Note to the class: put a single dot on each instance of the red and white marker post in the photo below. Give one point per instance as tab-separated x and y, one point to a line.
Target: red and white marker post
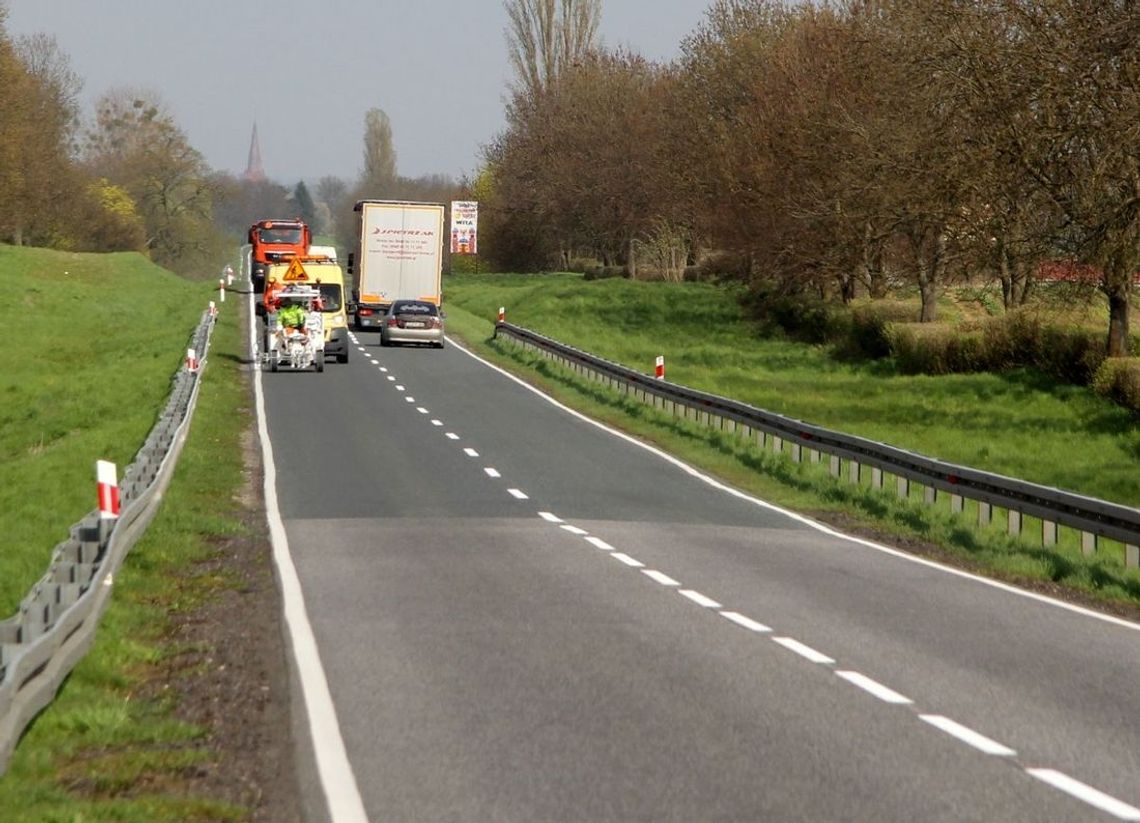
221	290
107	476
213	309
191	360
659	369
502	314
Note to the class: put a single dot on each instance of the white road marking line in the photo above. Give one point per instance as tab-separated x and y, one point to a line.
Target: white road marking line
518	494
629	561
421	410
435	422
393	379
968	735
598	543
452	436
550	518
875	688
384	369
410	399
492	472
700	599
799	518
470	452
334	770
574	529
400	388
1094	797
746	622
660	577
803	651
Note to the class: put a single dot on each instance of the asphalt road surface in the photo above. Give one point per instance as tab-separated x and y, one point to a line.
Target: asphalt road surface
522	616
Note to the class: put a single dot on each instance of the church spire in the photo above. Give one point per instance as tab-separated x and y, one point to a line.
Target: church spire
254	172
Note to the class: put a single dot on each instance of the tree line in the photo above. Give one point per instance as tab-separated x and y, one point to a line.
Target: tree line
128	178
831	148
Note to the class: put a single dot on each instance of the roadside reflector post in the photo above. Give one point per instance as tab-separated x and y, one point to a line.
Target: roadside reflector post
191	360
659	369
502	314
107	476
213	309
221	290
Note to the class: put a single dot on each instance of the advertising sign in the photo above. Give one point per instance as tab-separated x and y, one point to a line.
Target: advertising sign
464	226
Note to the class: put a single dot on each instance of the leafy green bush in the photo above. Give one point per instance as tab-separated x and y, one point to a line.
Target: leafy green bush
1118	379
927	348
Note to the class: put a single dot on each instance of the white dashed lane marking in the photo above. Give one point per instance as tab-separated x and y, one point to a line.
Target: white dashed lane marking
574	529
518	494
598	543
1094	797
660	577
625	558
492	472
746	622
470	452
875	688
550	518
967	735
806	652
700	599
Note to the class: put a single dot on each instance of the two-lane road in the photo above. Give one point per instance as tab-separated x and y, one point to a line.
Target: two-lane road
524	616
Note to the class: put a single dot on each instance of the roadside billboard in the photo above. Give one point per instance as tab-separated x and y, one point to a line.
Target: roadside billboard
464	226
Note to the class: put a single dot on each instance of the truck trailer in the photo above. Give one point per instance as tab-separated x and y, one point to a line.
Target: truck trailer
399	256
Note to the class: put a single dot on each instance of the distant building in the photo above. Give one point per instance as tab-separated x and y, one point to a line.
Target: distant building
254	171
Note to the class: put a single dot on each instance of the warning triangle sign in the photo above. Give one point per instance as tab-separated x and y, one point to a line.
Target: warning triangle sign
296	272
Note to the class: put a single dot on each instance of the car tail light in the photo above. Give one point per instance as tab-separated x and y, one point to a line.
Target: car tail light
433	323
393	322
364	312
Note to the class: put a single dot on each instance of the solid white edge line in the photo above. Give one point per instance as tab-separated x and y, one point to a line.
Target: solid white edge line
875	688
803	651
629	561
660	577
699	599
716	484
1094	797
968	736
550	518
598	543
338	781
518	494
746	622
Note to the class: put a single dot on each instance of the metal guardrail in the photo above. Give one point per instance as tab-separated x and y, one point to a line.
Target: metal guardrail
55	625
1091	517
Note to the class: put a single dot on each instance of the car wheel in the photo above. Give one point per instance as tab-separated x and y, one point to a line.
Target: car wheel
438	345
273	362
321	362
342	358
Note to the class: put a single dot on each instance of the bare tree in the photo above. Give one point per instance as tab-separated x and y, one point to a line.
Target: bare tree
547	36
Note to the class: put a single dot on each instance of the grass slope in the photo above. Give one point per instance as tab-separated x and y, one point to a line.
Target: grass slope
93	342
1021	425
113	745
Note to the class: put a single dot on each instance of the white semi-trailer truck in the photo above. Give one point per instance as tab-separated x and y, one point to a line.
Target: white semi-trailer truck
399	256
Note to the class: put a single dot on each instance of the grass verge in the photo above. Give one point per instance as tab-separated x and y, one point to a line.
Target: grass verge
117	744
1018	425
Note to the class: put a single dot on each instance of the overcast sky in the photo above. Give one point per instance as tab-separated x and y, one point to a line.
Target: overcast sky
307	70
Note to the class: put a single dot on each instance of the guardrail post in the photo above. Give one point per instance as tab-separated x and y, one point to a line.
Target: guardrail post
903	487
777	445
797	453
1048	533
813	455
834	467
930	495
956	503
853	472
1088	544
1131	555
985	513
1013	521
876	477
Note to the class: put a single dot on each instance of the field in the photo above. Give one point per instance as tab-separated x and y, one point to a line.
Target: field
1022	424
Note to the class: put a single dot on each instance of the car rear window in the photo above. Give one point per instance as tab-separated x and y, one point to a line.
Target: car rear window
414	308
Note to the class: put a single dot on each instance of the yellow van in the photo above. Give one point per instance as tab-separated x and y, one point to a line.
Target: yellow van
326	275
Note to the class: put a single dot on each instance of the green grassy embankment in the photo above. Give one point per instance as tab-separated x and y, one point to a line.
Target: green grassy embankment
1022	424
112	330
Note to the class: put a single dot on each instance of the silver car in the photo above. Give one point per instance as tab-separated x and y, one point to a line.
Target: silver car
412	321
